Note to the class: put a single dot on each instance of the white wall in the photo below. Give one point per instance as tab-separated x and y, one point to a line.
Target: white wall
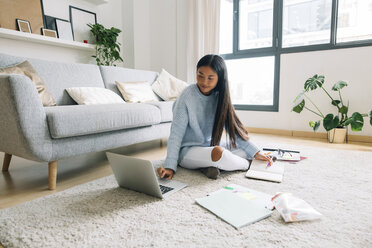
351	65
154	34
141	34
127	46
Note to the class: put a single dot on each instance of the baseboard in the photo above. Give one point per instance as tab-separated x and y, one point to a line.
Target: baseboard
306	134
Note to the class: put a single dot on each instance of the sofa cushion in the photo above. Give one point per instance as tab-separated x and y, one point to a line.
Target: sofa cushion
166	109
136	91
93	95
110	74
57	76
76	120
167	86
25	68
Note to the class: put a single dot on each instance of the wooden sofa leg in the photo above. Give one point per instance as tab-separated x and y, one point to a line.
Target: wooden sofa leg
6	162
52	169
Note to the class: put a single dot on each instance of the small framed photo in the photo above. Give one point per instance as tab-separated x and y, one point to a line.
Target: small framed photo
23	25
49	32
64	30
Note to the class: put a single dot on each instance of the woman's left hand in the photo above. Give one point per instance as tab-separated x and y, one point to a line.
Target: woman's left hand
260	156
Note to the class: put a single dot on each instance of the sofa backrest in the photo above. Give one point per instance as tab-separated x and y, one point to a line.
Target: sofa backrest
58	76
110	74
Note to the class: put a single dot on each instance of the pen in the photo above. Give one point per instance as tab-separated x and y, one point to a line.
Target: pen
268	165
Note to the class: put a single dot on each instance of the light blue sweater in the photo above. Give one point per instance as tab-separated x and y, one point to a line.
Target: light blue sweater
193	118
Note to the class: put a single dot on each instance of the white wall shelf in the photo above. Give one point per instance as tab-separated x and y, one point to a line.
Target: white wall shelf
35	38
97	2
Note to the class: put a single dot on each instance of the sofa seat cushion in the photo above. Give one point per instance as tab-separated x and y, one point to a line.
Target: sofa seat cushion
77	120
166	109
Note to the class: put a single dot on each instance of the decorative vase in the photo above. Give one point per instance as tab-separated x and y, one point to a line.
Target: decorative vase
337	135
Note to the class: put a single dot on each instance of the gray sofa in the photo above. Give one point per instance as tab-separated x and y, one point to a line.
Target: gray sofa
34	132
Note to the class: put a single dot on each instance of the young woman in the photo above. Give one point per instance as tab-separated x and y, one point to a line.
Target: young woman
200	115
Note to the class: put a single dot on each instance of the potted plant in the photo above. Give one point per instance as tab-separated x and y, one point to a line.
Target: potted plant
107	47
335	125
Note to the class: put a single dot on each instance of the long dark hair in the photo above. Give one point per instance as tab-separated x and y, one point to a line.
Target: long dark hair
225	116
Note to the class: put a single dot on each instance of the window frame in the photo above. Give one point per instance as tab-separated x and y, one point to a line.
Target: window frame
277	50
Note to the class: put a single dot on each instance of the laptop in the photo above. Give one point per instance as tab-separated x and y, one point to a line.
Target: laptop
139	175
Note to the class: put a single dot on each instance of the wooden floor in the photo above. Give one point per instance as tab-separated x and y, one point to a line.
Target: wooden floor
26	180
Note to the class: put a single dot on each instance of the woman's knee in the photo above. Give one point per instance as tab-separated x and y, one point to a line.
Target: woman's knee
216	153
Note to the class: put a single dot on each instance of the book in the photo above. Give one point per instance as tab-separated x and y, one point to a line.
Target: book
259	170
237	205
282	154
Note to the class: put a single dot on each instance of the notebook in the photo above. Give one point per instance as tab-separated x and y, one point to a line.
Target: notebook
237	205
259	170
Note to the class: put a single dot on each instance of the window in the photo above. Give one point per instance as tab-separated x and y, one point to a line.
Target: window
251	80
254	33
255	24
354	20
306	22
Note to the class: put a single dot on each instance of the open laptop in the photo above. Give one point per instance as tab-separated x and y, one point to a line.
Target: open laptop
139	175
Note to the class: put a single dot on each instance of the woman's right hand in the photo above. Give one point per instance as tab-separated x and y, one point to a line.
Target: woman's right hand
165	173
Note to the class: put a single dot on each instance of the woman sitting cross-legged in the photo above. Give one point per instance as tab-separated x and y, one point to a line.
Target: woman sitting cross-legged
200	115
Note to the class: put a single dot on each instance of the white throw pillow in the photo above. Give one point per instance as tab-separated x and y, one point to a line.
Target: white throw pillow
93	95
136	91
167	86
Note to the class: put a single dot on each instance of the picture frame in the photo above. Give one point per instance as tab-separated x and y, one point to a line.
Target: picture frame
50	22
49	32
79	19
30	10
64	30
23	26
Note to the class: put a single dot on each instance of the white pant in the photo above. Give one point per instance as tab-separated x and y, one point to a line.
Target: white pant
201	157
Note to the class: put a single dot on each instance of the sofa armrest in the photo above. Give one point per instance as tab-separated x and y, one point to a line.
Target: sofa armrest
23	125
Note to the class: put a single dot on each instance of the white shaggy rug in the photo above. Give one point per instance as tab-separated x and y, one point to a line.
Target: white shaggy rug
337	183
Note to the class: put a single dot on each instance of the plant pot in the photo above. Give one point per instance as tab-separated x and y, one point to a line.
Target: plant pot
337	135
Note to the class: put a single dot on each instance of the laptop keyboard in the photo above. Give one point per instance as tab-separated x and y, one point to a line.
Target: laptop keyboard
165	189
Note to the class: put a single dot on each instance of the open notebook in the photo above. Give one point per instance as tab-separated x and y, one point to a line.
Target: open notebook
259	170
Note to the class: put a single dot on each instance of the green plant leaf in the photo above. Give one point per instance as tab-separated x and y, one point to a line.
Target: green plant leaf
314	125
329	122
339	85
299	107
370	117
343	110
108	49
299	96
356	121
313	82
336	102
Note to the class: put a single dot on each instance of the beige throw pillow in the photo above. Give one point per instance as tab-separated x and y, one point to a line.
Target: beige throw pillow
136	91
25	68
93	95
167	86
